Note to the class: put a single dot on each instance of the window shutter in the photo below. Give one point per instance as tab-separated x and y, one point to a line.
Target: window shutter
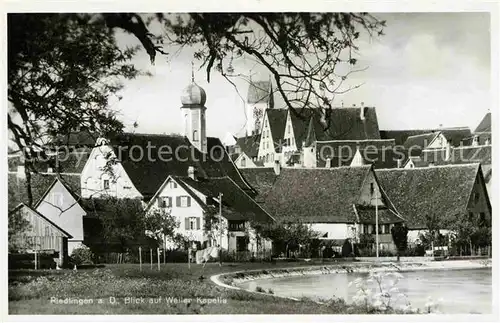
197	223
186	220
169	201
189	201
178	201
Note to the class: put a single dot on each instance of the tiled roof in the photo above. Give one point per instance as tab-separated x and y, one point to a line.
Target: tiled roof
261	179
147	174
484	125
237	205
39	184
63	162
22	205
420	141
316	195
380	153
259	91
300	122
367	215
249	145
458	155
472	154
345	124
443	191
82	138
455	135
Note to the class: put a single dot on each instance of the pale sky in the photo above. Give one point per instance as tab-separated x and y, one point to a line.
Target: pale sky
429	69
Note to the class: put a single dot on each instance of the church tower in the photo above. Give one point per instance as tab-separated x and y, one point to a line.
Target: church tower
193	109
259	99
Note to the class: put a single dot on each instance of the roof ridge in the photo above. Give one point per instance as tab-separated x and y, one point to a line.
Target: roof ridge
423	134
424	168
43	216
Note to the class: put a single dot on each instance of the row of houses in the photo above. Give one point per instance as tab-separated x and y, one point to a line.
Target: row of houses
192	175
349	136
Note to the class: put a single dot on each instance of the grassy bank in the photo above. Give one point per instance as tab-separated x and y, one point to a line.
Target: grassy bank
34	292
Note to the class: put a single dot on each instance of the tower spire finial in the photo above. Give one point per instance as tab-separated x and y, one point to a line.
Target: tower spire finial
192	71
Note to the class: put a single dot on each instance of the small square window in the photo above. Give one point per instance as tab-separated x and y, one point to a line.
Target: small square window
183	201
165	201
106	184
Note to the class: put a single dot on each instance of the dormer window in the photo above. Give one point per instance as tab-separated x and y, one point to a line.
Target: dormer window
106	184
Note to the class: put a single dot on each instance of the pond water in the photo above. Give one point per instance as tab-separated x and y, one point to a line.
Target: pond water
461	291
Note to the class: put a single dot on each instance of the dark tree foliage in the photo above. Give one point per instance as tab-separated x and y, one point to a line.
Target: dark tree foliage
286	236
309	55
399	234
18	225
62	72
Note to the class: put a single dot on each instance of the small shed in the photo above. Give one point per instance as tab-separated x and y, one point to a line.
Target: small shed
42	235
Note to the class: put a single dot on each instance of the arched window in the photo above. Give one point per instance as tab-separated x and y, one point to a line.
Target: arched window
267	158
195	135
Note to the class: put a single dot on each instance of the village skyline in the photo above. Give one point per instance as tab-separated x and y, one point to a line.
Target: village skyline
427	70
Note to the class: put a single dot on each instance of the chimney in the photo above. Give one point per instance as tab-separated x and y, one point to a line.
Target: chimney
400	161
191	172
277	167
328	163
362	111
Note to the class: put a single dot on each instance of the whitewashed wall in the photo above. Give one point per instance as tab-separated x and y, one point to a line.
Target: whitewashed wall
60	207
93	177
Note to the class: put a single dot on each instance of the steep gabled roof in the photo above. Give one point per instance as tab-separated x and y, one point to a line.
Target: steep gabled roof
261	179
472	154
378	152
277	123
316	195
400	136
82	138
484	125
237	205
459	155
147	174
249	145
455	135
421	141
259	92
443	191
300	119
22	205
62	162
40	183
59	179
345	124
